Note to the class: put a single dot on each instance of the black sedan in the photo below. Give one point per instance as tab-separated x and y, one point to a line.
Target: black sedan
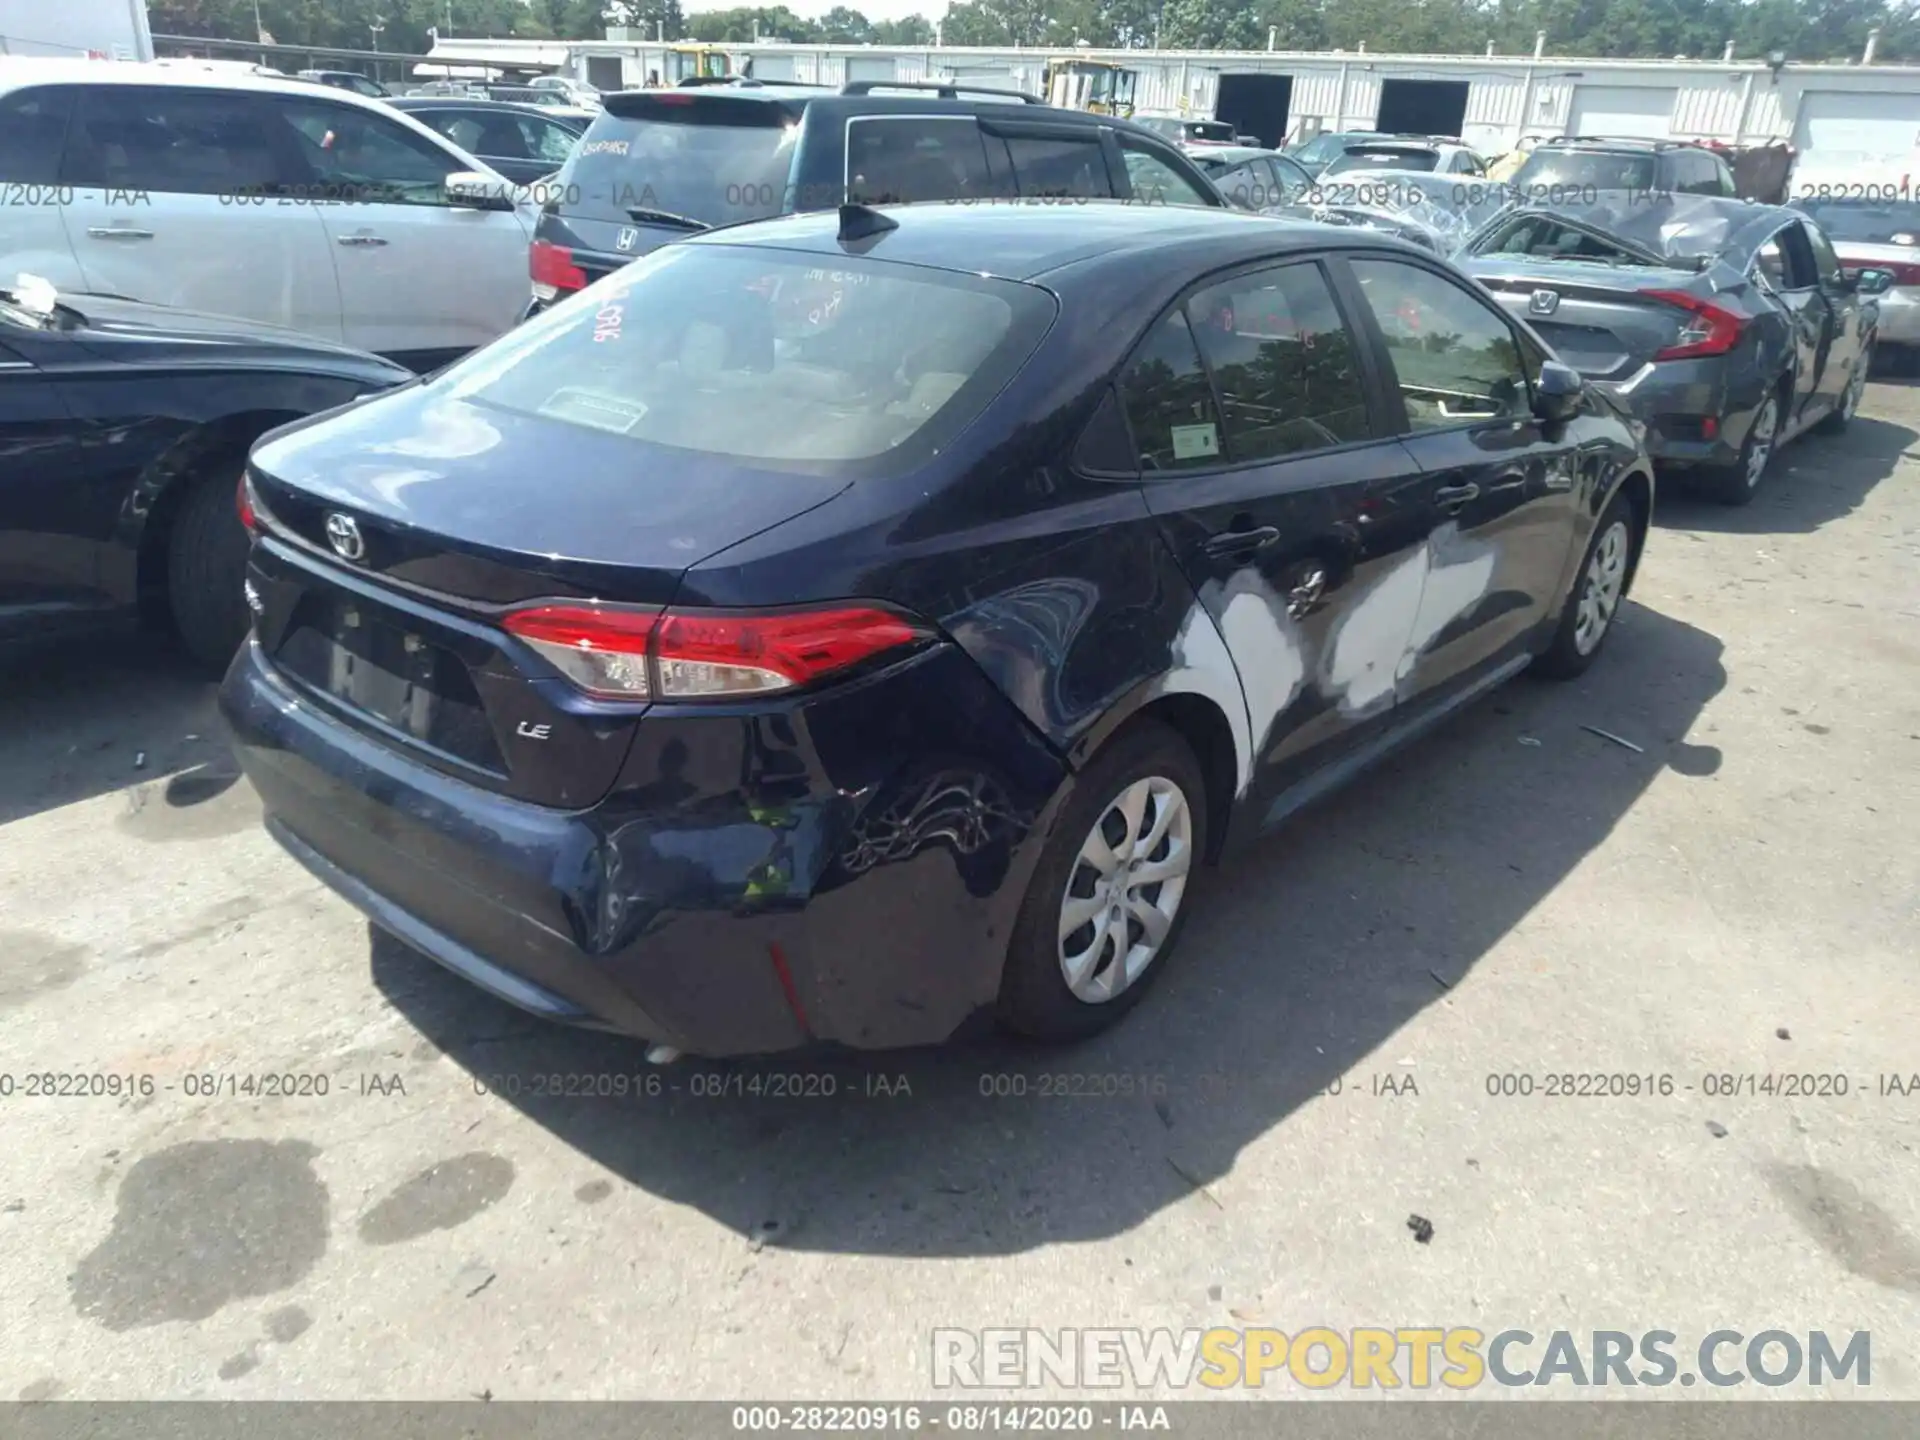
525	143
823	629
123	433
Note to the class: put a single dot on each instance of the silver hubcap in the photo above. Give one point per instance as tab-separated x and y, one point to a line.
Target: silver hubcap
1600	593
1125	889
1760	450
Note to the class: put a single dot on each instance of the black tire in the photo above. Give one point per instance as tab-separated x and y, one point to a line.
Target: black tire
207	571
1563	659
1738	483
1035	1000
1836	421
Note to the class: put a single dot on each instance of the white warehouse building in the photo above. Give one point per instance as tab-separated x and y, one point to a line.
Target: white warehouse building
1858	114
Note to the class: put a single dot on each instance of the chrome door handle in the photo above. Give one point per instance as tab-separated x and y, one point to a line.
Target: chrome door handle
1240	542
1452	497
118	232
360	240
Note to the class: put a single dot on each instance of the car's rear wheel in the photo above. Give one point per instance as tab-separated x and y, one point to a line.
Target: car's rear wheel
1837	421
207	572
1738	483
1599	584
1107	901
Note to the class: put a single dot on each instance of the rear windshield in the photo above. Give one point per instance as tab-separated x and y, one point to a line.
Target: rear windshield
1867	222
714	160
1209	130
1364	157
795	361
1586	170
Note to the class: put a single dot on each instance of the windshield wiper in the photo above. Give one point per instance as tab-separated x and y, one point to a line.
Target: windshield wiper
665	217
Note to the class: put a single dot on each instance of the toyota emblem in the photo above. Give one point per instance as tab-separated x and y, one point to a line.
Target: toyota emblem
1544	302
343	533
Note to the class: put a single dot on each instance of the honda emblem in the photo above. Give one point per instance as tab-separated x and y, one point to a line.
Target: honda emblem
1544	302
626	239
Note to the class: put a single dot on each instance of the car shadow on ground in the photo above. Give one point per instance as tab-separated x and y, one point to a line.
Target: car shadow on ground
1814	481
92	716
1300	960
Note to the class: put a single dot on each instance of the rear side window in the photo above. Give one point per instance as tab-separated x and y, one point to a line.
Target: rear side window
33	130
544	140
713	159
169	140
909	158
1284	362
1169	402
781	360
1057	166
1156	181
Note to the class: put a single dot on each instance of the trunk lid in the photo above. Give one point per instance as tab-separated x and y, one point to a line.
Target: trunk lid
1597	318
490	506
397	531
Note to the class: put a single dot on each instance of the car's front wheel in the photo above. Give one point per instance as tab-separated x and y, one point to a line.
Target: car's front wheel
1107	900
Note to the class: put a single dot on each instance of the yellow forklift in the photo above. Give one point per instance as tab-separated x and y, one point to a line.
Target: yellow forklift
1100	86
696	60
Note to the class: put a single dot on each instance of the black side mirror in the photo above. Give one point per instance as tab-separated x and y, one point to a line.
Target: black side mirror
1873	282
1556	399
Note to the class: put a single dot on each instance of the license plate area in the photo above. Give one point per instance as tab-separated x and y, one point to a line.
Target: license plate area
368	662
383	671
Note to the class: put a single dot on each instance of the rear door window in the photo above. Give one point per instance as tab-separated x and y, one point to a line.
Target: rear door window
906	158
1058	166
33	132
715	159
1284	362
170	140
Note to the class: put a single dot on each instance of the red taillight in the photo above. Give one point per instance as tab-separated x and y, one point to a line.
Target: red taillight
1709	330
243	501
617	654
553	270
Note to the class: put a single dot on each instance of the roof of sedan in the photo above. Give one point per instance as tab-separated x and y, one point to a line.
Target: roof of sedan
1024	240
1232	154
18	71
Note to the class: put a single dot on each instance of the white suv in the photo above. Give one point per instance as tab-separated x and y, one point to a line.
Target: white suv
271	200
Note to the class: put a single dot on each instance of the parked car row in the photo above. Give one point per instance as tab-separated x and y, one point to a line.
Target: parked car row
828	616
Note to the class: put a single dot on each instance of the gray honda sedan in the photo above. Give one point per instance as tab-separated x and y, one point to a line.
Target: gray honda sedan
1727	328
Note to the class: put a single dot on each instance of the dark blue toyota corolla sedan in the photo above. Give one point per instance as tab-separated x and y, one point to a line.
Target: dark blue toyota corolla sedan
825	629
